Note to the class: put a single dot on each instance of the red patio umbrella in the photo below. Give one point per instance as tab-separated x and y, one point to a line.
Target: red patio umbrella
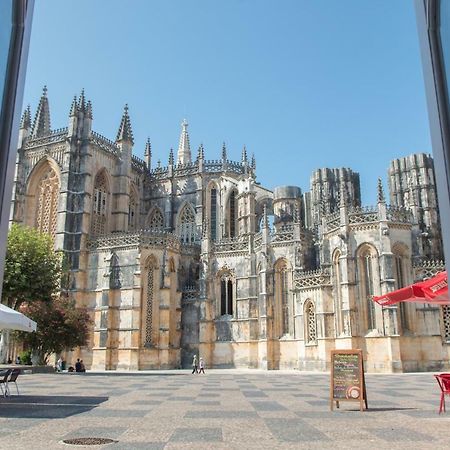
434	290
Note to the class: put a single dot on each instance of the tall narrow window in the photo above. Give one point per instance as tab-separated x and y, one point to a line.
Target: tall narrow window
232	215
187	227
338	292
368	286
213	214
310	323
149	298
156	221
226	296
284	301
282	305
368	276
399	283
133	211
100	205
47	202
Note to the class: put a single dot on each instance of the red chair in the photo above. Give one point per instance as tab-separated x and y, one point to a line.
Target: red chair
444	383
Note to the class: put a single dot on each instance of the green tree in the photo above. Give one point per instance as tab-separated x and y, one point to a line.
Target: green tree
32	268
60	326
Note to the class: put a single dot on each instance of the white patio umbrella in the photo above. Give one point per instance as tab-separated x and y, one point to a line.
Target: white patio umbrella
11	319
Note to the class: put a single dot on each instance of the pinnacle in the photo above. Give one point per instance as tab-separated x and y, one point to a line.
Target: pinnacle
171	157
224	152
380	191
41	124
73	107
184	148
26	118
244	154
125	132
148	148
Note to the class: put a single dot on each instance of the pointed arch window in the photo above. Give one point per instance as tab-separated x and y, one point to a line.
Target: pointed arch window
368	270
226	295
187	226
151	269
133	211
213	213
232	215
156	221
100	205
282	297
47	202
310	323
338	291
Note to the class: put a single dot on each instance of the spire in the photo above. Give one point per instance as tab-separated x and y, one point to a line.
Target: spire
125	132
26	118
184	149
380	191
224	152
244	155
148	153
41	124
73	107
171	157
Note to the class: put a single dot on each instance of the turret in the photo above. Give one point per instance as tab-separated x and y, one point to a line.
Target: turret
25	125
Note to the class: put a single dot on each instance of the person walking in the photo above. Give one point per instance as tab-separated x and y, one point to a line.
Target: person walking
201	366
195	365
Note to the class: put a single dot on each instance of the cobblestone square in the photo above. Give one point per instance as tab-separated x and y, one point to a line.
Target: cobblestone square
227	409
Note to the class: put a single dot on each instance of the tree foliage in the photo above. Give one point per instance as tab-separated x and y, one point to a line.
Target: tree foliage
60	326
32	267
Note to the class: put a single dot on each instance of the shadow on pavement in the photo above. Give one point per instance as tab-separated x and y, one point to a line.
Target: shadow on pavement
47	406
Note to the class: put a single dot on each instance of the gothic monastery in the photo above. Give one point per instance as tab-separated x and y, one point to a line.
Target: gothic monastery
197	257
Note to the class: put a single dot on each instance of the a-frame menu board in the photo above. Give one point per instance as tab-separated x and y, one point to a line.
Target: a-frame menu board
347	378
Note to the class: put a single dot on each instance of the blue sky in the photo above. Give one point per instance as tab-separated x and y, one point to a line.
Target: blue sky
303	84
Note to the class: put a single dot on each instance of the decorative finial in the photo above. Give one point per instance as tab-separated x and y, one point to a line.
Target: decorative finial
184	149
171	157
82	101
253	163
380	191
148	148
44	91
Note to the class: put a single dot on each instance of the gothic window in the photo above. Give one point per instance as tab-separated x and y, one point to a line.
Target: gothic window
446	322
400	281
282	297
226	295
310	323
368	271
232	215
156	221
338	292
187	227
213	213
133	210
149	300
100	205
114	273
47	202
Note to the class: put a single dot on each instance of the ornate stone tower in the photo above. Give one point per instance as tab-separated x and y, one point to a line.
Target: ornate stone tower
327	186
412	186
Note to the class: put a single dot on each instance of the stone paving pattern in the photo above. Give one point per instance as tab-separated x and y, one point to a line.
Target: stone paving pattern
224	409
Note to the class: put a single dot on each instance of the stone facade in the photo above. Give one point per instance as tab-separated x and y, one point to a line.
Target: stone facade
197	257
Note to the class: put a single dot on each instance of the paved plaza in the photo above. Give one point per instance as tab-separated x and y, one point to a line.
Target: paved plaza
226	409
